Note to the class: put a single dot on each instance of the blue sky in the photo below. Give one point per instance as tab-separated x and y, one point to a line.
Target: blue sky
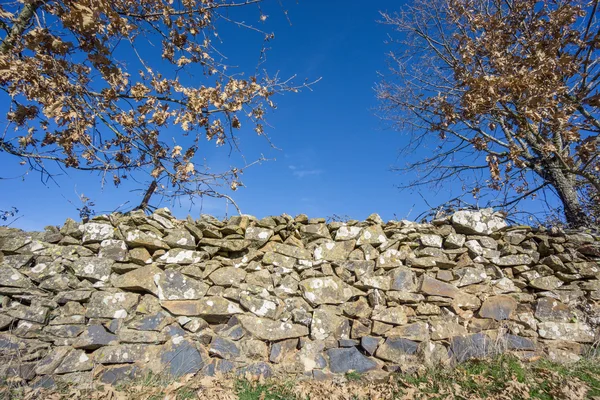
335	154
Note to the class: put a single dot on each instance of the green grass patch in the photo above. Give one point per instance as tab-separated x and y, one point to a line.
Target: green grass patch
264	391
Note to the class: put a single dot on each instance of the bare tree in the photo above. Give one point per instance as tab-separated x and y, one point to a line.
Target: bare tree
95	85
505	92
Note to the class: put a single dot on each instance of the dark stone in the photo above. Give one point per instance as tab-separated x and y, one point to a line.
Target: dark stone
224	348
514	342
150	323
280	349
182	358
349	359
121	373
477	345
218	366
174	330
256	370
348	343
94	337
369	344
44	382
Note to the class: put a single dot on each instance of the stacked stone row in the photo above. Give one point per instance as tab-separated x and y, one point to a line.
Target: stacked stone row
122	296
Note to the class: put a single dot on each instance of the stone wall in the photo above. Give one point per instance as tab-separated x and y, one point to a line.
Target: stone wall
126	295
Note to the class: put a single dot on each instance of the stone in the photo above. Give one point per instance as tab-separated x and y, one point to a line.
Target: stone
12	278
482	222
397	350
445	328
120	374
373	235
392	315
514	342
418	331
369	344
433	287
92	268
267	329
52	360
262	307
279	260
314	232
33	313
326	290
96	232
228	276
111	305
360	268
347	233
513	260
230	245
173	285
179	238
210	308
467	347
282	349
429	240
259	370
326	324
576	332
548	309
149	240
349	360
183	256
334	251
126	353
75	361
546	283
141	279
498	307
140	256
94	337
17	261
115	250
224	348
454	241
470	276
375	282
257	234
180	357
403	279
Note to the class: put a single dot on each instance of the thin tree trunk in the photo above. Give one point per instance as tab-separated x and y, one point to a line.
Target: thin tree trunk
574	213
19	26
146	200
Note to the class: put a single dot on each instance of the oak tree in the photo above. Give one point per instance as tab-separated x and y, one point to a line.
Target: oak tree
505	93
129	89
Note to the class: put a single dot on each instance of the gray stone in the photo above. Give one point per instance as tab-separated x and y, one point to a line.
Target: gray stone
12	278
75	361
349	359
183	256
93	268
576	332
482	222
281	349
266	329
96	233
467	347
396	350
173	285
434	287
111	305
211	308
326	290
369	344
260	370
149	240
228	276
140	279
498	307
119	374
94	337
115	250
334	251
224	348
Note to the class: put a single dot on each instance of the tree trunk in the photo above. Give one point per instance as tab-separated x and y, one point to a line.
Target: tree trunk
567	193
149	192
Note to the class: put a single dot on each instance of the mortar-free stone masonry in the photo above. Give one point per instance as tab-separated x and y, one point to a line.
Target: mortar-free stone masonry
122	296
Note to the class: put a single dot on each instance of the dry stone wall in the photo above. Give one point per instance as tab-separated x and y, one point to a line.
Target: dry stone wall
122	296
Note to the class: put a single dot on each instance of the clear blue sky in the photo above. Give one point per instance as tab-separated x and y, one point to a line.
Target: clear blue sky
335	155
